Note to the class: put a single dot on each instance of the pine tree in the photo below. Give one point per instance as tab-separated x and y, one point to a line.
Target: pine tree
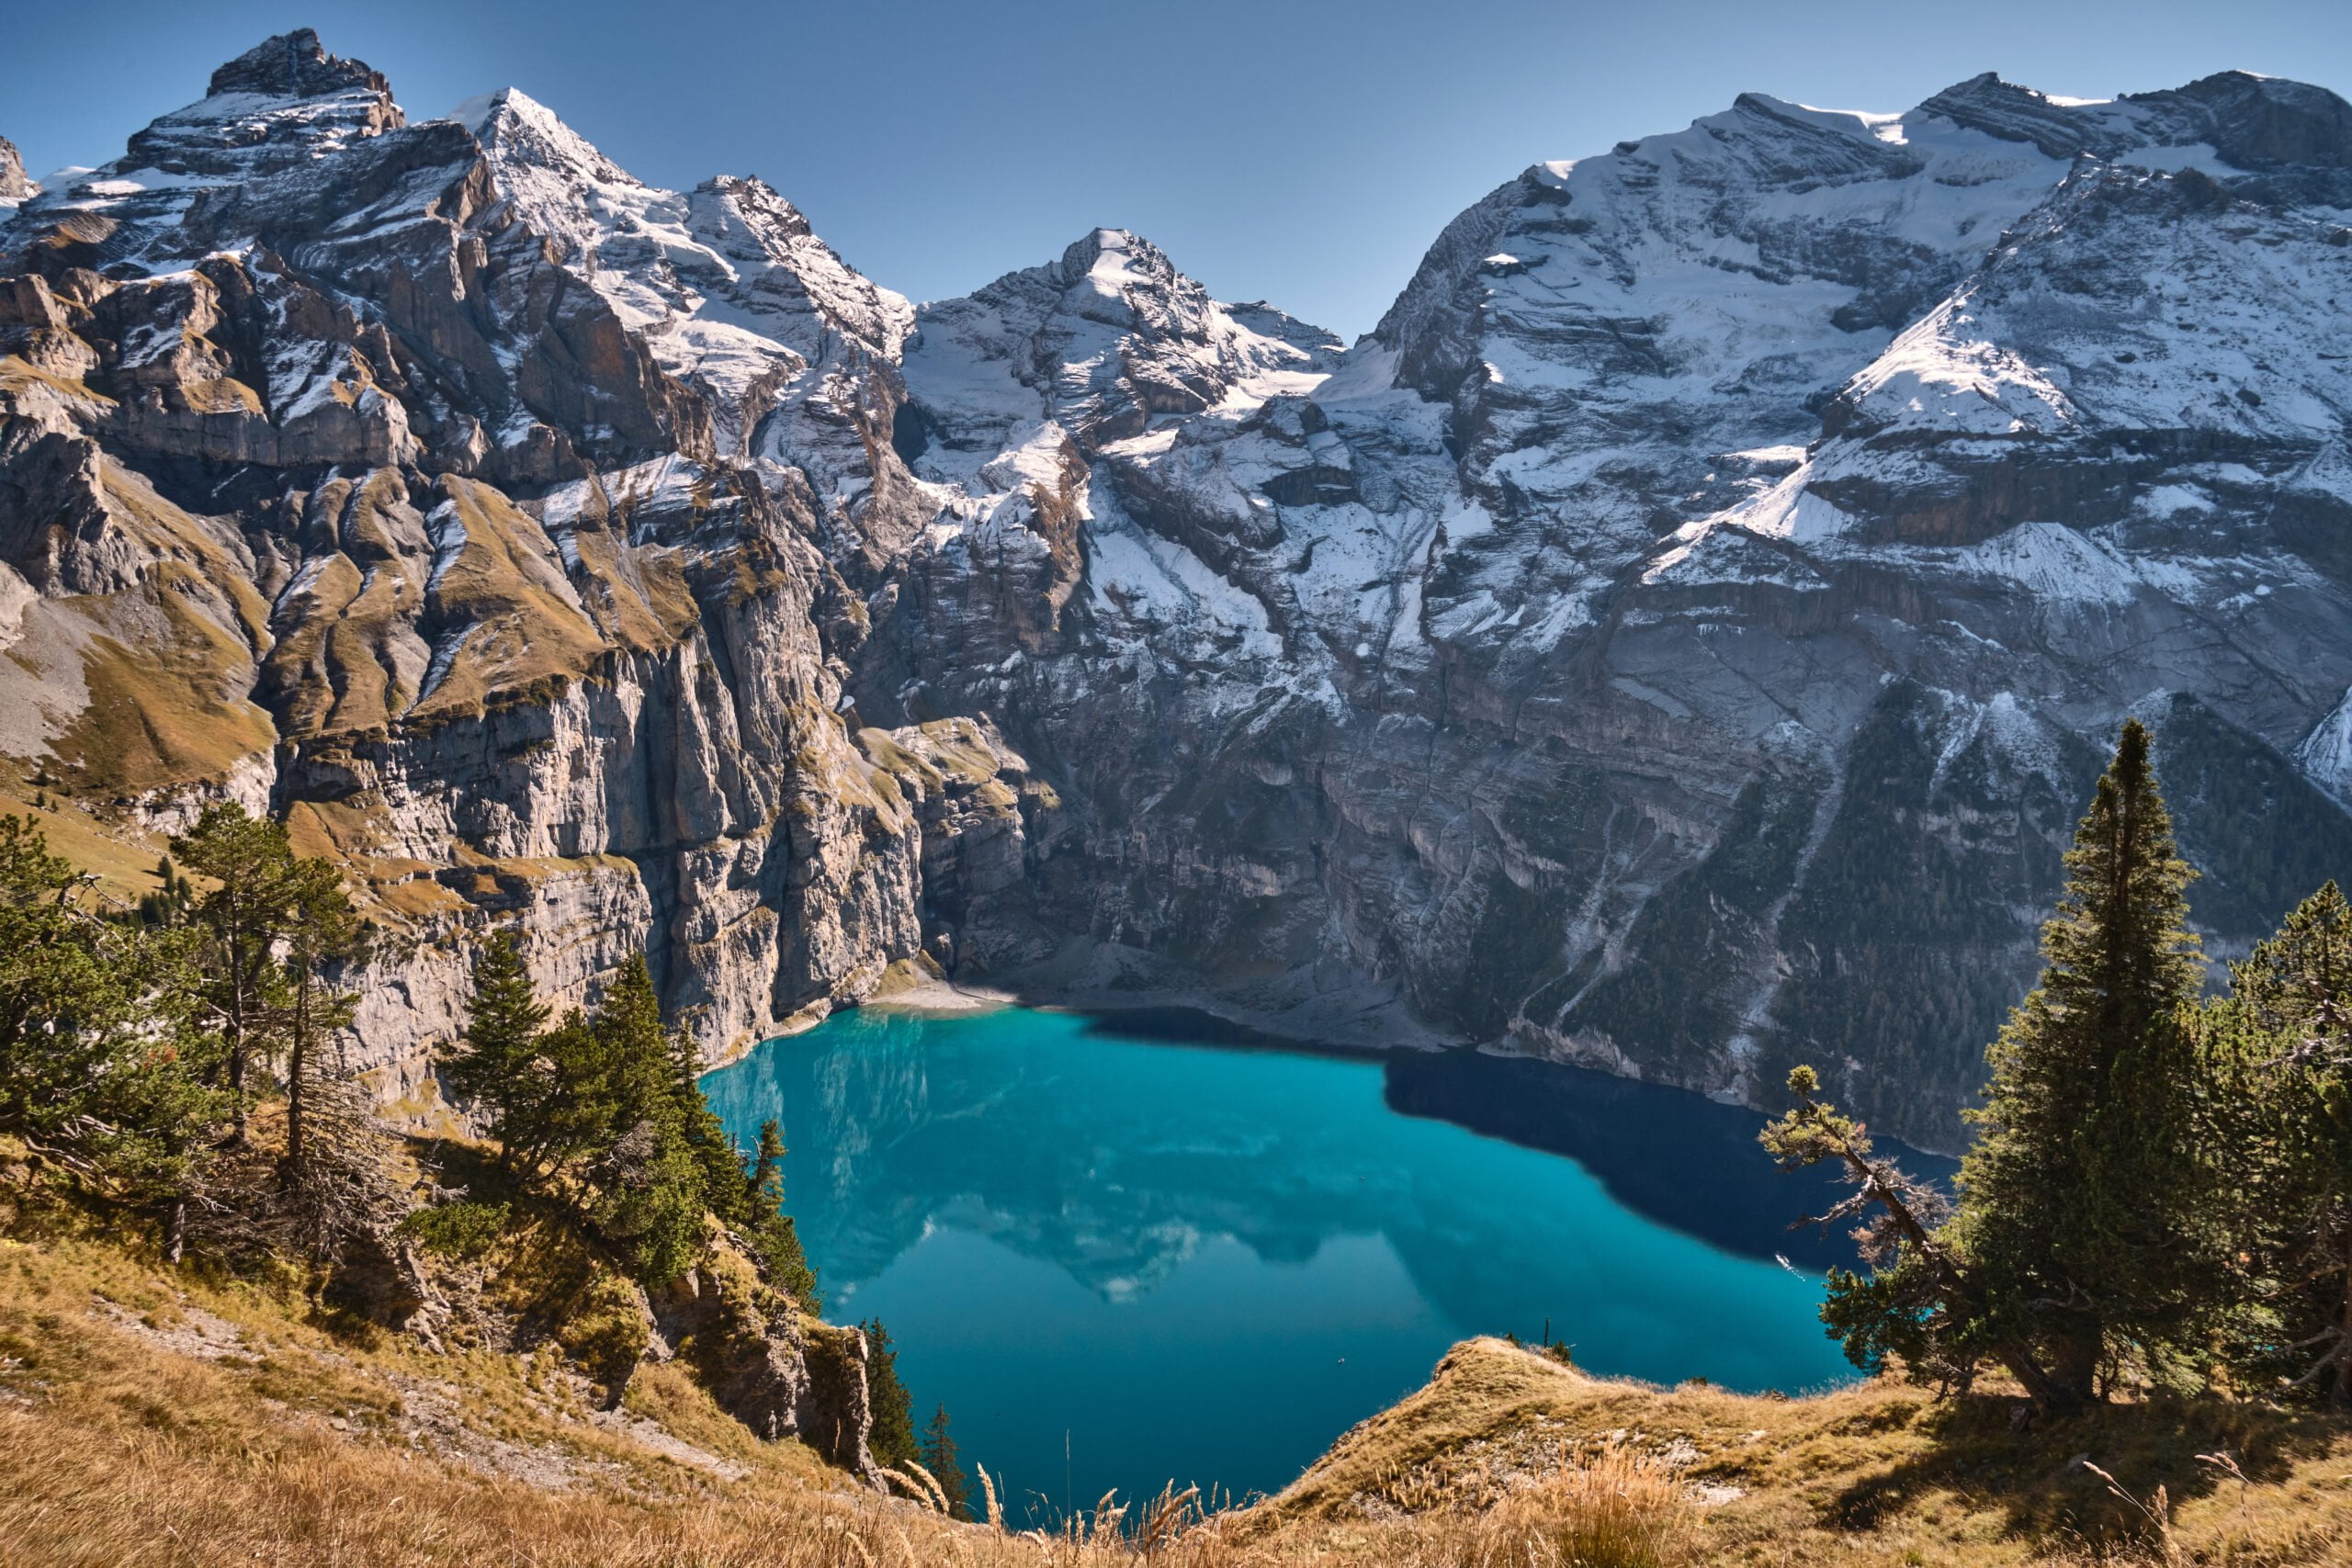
239	988
730	1195
2283	1047
939	1458
2085	1217
168	905
323	933
496	1065
772	1233
109	1092
767	1166
647	1179
892	1435
1918	1303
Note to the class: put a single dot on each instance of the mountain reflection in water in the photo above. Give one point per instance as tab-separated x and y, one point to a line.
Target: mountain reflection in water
1204	1260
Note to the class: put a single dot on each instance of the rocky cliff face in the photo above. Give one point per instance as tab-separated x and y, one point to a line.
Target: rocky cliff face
382	475
1676	639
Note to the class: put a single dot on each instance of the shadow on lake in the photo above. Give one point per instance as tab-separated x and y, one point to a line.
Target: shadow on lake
1680	1158
1677	1158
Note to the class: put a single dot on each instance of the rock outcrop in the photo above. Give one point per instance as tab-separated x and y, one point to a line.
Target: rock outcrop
780	1372
14	184
1676	639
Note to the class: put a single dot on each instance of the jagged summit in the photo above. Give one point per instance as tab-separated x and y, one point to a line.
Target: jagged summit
734	292
523	131
1094	346
2256	121
255	142
14	184
2250	123
294	65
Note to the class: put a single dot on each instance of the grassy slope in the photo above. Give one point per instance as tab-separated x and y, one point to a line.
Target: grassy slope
1876	1474
145	1420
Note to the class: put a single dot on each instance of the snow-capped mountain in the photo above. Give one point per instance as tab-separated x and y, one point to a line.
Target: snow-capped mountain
1678	638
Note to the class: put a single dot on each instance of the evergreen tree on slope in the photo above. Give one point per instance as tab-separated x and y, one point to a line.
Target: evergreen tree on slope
495	1065
2085	1217
939	1458
772	1233
891	1437
113	1097
2282	1045
647	1178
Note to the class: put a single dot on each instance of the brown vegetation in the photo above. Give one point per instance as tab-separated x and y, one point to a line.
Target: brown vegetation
148	1418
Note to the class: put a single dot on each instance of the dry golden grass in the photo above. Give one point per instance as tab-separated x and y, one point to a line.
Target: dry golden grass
1872	1475
166	705
147	1420
117	852
1618	1509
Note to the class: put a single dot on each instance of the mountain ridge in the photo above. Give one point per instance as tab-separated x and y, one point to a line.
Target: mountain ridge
1677	629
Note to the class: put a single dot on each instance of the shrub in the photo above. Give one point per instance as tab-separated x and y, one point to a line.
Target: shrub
465	1231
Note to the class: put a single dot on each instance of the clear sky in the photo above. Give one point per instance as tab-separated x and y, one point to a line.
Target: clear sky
1304	152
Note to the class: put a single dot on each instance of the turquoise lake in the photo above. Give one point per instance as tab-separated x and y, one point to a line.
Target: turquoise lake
1195	1262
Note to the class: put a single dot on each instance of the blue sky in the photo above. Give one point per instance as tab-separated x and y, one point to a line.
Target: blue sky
1298	150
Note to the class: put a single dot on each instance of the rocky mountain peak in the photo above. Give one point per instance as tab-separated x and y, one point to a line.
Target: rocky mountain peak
2250	122
2012	113
2254	123
14	184
1109	271
733	291
279	106
759	204
1096	346
517	130
294	65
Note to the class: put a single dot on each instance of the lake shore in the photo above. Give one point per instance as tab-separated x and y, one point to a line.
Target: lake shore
941	999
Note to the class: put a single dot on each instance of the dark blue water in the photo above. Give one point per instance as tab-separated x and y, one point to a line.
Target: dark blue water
1203	1264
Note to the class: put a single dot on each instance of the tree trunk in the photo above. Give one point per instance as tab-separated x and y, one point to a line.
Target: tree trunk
295	1056
236	1029
2040	1387
2342	1393
176	1231
2074	1363
237	1095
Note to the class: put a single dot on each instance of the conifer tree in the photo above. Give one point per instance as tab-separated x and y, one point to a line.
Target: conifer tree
2084	1216
555	1124
767	1164
322	932
773	1233
238	988
2283	1045
647	1179
1918	1302
269	932
111	1095
496	1064
892	1435
730	1195
939	1458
